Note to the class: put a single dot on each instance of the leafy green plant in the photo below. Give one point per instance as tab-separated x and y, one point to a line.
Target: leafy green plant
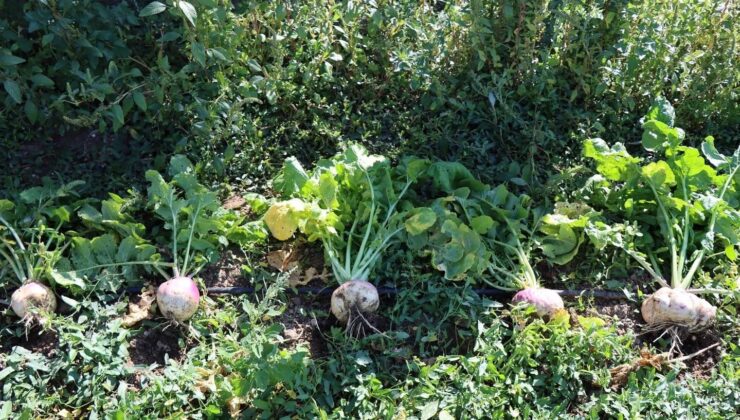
350	203
31	248
473	228
683	200
564	231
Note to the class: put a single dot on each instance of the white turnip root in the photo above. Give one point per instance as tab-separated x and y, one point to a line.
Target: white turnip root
354	297
178	298
31	297
545	301
677	307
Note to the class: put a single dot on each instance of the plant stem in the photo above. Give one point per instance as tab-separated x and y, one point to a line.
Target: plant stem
675	276
686	227
348	250
646	266
686	282
703	291
171	199
190	239
16	269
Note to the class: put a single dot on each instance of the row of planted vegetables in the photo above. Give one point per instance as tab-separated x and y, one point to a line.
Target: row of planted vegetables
675	214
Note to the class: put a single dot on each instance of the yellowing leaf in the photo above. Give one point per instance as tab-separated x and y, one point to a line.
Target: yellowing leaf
590	322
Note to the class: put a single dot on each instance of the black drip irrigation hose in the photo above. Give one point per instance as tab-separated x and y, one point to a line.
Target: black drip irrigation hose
489	292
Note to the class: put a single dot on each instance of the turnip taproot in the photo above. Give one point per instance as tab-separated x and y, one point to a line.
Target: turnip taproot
31	299
693	209
178	298
354	297
545	301
678	307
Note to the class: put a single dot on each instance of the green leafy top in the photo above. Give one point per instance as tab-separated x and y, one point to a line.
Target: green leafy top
189	222
31	236
350	204
677	195
470	228
563	230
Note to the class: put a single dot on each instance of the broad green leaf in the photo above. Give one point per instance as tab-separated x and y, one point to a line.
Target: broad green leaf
714	157
421	220
256	202
562	247
69	301
199	53
152	8
731	252
180	164
663	111
481	224
59	214
328	190
659	174
429	410
32	113
657	136
189	11
67	279
10	60
7	408
140	100
591	322
452	252
291	178
39	80
613	163
117	113
449	177
6	206
13	89
104	248
416	167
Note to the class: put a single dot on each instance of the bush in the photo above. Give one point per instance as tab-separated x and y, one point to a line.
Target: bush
242	85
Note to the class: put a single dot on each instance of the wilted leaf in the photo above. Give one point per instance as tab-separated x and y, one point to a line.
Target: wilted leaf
140	310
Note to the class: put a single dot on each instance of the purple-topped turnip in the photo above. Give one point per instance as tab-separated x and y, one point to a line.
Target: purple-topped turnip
545	301
178	298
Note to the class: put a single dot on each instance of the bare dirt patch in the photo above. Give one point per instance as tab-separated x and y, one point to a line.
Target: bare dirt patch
152	345
304	320
41	341
227	271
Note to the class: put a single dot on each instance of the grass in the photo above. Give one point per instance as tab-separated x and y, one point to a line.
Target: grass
445	351
508	88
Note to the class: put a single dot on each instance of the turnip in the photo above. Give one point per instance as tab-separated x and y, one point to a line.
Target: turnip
33	299
513	270
669	306
353	189
197	224
178	298
354	298
685	199
545	301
